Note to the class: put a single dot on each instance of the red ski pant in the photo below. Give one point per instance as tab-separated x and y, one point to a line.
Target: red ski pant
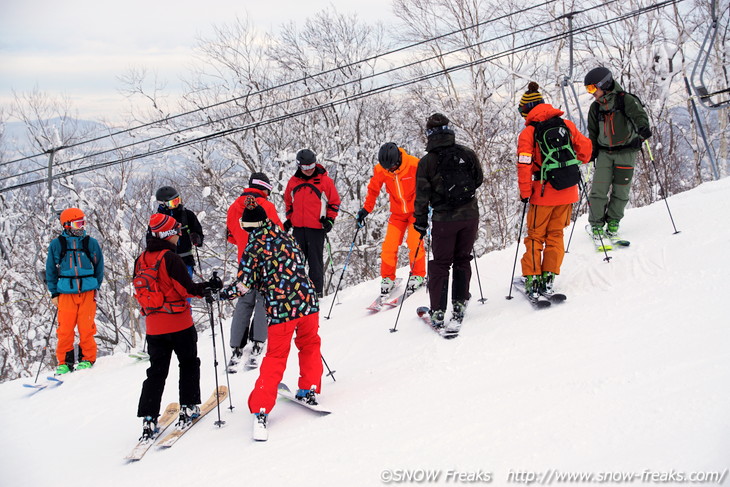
273	365
73	310
397	227
545	226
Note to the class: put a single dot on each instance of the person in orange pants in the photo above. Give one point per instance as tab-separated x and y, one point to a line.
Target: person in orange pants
550	208
74	272
397	170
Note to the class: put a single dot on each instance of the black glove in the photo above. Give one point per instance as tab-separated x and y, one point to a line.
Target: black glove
215	282
196	239
208	294
287	225
326	224
644	132
361	216
421	228
594	153
525	200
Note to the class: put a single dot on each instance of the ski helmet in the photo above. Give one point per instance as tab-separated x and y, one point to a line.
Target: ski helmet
71	214
168	196
306	159
599	77
389	156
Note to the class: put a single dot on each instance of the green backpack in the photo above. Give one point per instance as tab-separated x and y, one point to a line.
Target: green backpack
560	165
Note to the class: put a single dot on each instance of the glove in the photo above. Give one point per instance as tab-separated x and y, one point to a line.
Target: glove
361	215
196	239
594	153
644	132
215	282
287	225
525	200
327	224
208	294
421	228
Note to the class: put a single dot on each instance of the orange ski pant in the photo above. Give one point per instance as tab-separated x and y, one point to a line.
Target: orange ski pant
544	246
76	310
277	352
397	227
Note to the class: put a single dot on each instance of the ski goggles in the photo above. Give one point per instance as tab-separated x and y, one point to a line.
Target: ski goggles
176	230
591	88
173	203
76	224
307	167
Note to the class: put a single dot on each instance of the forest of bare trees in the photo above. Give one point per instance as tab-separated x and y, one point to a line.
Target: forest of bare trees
342	88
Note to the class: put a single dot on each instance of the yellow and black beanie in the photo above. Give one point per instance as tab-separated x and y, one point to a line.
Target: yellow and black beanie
530	99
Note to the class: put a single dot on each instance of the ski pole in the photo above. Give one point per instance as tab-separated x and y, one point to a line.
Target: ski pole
575	220
330	372
479	279
600	237
347	261
225	360
331	260
519	236
410	273
45	347
661	187
220	422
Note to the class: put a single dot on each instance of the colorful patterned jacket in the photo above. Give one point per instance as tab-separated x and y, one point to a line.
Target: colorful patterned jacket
273	265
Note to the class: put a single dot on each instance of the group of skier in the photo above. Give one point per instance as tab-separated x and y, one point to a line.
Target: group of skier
273	285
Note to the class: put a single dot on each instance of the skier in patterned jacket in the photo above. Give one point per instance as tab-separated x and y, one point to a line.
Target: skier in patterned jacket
312	204
273	265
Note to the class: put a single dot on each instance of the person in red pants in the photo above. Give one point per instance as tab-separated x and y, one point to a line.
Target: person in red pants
396	169
273	265
74	272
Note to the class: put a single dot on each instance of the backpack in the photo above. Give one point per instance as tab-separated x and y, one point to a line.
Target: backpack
457	174
84	248
147	290
560	166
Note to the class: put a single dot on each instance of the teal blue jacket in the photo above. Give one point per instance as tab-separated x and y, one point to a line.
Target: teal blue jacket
75	272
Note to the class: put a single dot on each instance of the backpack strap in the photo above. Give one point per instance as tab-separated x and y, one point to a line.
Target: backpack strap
84	248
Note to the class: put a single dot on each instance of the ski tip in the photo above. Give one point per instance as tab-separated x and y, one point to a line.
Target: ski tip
422	310
283	387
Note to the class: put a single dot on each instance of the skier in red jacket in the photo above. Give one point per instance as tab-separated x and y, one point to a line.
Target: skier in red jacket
312	204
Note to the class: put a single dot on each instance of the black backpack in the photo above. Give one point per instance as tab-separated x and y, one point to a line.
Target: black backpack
560	166
458	176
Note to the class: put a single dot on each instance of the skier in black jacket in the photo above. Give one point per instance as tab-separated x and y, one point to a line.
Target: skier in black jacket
170	203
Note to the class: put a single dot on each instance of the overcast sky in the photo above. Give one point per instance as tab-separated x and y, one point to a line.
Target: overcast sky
78	48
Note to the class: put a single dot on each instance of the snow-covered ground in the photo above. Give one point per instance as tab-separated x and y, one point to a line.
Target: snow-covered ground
630	376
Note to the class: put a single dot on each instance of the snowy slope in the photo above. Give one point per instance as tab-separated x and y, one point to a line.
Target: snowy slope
629	375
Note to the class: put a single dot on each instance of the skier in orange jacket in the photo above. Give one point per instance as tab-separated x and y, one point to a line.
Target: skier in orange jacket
397	170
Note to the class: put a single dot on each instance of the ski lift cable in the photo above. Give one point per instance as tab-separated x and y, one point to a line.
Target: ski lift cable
371	92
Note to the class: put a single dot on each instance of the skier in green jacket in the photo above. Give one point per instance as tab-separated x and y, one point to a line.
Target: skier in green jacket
617	126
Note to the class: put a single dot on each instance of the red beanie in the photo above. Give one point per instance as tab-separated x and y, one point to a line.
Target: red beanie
163	226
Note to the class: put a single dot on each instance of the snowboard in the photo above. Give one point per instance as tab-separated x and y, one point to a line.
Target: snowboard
216	398
285	392
540	303
165	420
382	299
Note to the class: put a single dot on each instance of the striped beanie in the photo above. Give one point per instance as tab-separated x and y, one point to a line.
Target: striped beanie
530	99
163	226
260	181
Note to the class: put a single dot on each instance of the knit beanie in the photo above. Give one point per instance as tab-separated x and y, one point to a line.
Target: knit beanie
163	226
260	181
438	123
530	99
253	215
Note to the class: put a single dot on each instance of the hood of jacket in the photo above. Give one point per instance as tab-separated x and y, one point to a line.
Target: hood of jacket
542	112
440	140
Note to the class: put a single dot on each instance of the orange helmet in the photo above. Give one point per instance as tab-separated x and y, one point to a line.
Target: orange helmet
71	214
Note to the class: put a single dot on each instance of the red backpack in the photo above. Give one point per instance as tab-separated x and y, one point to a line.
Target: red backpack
147	290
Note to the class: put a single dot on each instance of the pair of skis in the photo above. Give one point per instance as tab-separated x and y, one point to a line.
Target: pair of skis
251	362
168	417
449	330
392	299
606	241
50	381
544	300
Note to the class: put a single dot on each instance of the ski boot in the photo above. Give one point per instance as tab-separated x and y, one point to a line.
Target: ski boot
260	433
437	317
149	428
84	364
533	285
187	415
308	396
612	228
414	282
386	286
257	348
62	369
458	308
548	283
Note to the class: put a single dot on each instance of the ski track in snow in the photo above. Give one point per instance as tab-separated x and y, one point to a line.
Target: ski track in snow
629	374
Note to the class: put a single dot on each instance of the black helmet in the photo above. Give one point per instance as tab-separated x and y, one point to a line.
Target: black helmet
601	77
389	156
306	157
166	193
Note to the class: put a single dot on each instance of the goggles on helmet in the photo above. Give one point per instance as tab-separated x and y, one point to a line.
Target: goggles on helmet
177	230
591	88
307	167
173	203
76	224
